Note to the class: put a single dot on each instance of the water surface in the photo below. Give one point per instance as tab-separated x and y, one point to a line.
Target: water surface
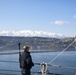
67	58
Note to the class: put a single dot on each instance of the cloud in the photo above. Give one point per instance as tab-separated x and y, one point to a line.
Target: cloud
59	22
74	16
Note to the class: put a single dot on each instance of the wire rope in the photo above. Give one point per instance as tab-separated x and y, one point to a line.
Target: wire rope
10	53
9	61
7	74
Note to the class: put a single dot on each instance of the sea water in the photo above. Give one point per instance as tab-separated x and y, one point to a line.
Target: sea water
67	59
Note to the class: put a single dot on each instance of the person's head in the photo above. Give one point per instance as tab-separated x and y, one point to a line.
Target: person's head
26	48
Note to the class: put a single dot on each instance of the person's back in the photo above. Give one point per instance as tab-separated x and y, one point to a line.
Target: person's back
26	61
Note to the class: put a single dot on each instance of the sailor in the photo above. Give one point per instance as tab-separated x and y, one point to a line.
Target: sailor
26	61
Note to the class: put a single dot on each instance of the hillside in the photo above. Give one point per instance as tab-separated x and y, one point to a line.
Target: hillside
36	43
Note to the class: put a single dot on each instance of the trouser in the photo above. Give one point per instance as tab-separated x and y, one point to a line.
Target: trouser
26	72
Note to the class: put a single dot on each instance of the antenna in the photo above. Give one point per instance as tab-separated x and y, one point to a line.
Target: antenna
19	46
19	49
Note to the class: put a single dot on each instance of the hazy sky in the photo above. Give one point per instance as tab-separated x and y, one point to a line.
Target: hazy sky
57	16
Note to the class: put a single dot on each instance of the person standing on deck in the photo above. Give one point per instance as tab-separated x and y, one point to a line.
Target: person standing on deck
25	61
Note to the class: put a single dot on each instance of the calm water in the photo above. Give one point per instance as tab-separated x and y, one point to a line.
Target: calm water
65	59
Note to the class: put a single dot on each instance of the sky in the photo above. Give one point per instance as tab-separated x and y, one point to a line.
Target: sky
57	16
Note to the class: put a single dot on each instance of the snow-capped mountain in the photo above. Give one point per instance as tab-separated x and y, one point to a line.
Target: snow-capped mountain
30	33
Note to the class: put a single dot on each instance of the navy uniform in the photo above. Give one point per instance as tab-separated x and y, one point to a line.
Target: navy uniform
26	61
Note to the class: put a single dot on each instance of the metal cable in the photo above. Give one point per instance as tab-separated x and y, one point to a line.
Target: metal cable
7	74
15	71
9	70
9	61
10	53
40	64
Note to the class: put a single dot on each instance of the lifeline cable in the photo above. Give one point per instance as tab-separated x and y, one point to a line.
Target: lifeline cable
10	53
9	61
10	70
40	64
7	74
15	71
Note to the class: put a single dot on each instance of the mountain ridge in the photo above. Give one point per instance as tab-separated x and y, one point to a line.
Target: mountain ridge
30	33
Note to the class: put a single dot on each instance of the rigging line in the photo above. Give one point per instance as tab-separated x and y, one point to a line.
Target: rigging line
12	53
9	53
68	67
39	64
9	70
62	66
15	71
7	74
9	61
61	52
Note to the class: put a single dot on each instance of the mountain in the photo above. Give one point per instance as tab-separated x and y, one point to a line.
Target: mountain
30	33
